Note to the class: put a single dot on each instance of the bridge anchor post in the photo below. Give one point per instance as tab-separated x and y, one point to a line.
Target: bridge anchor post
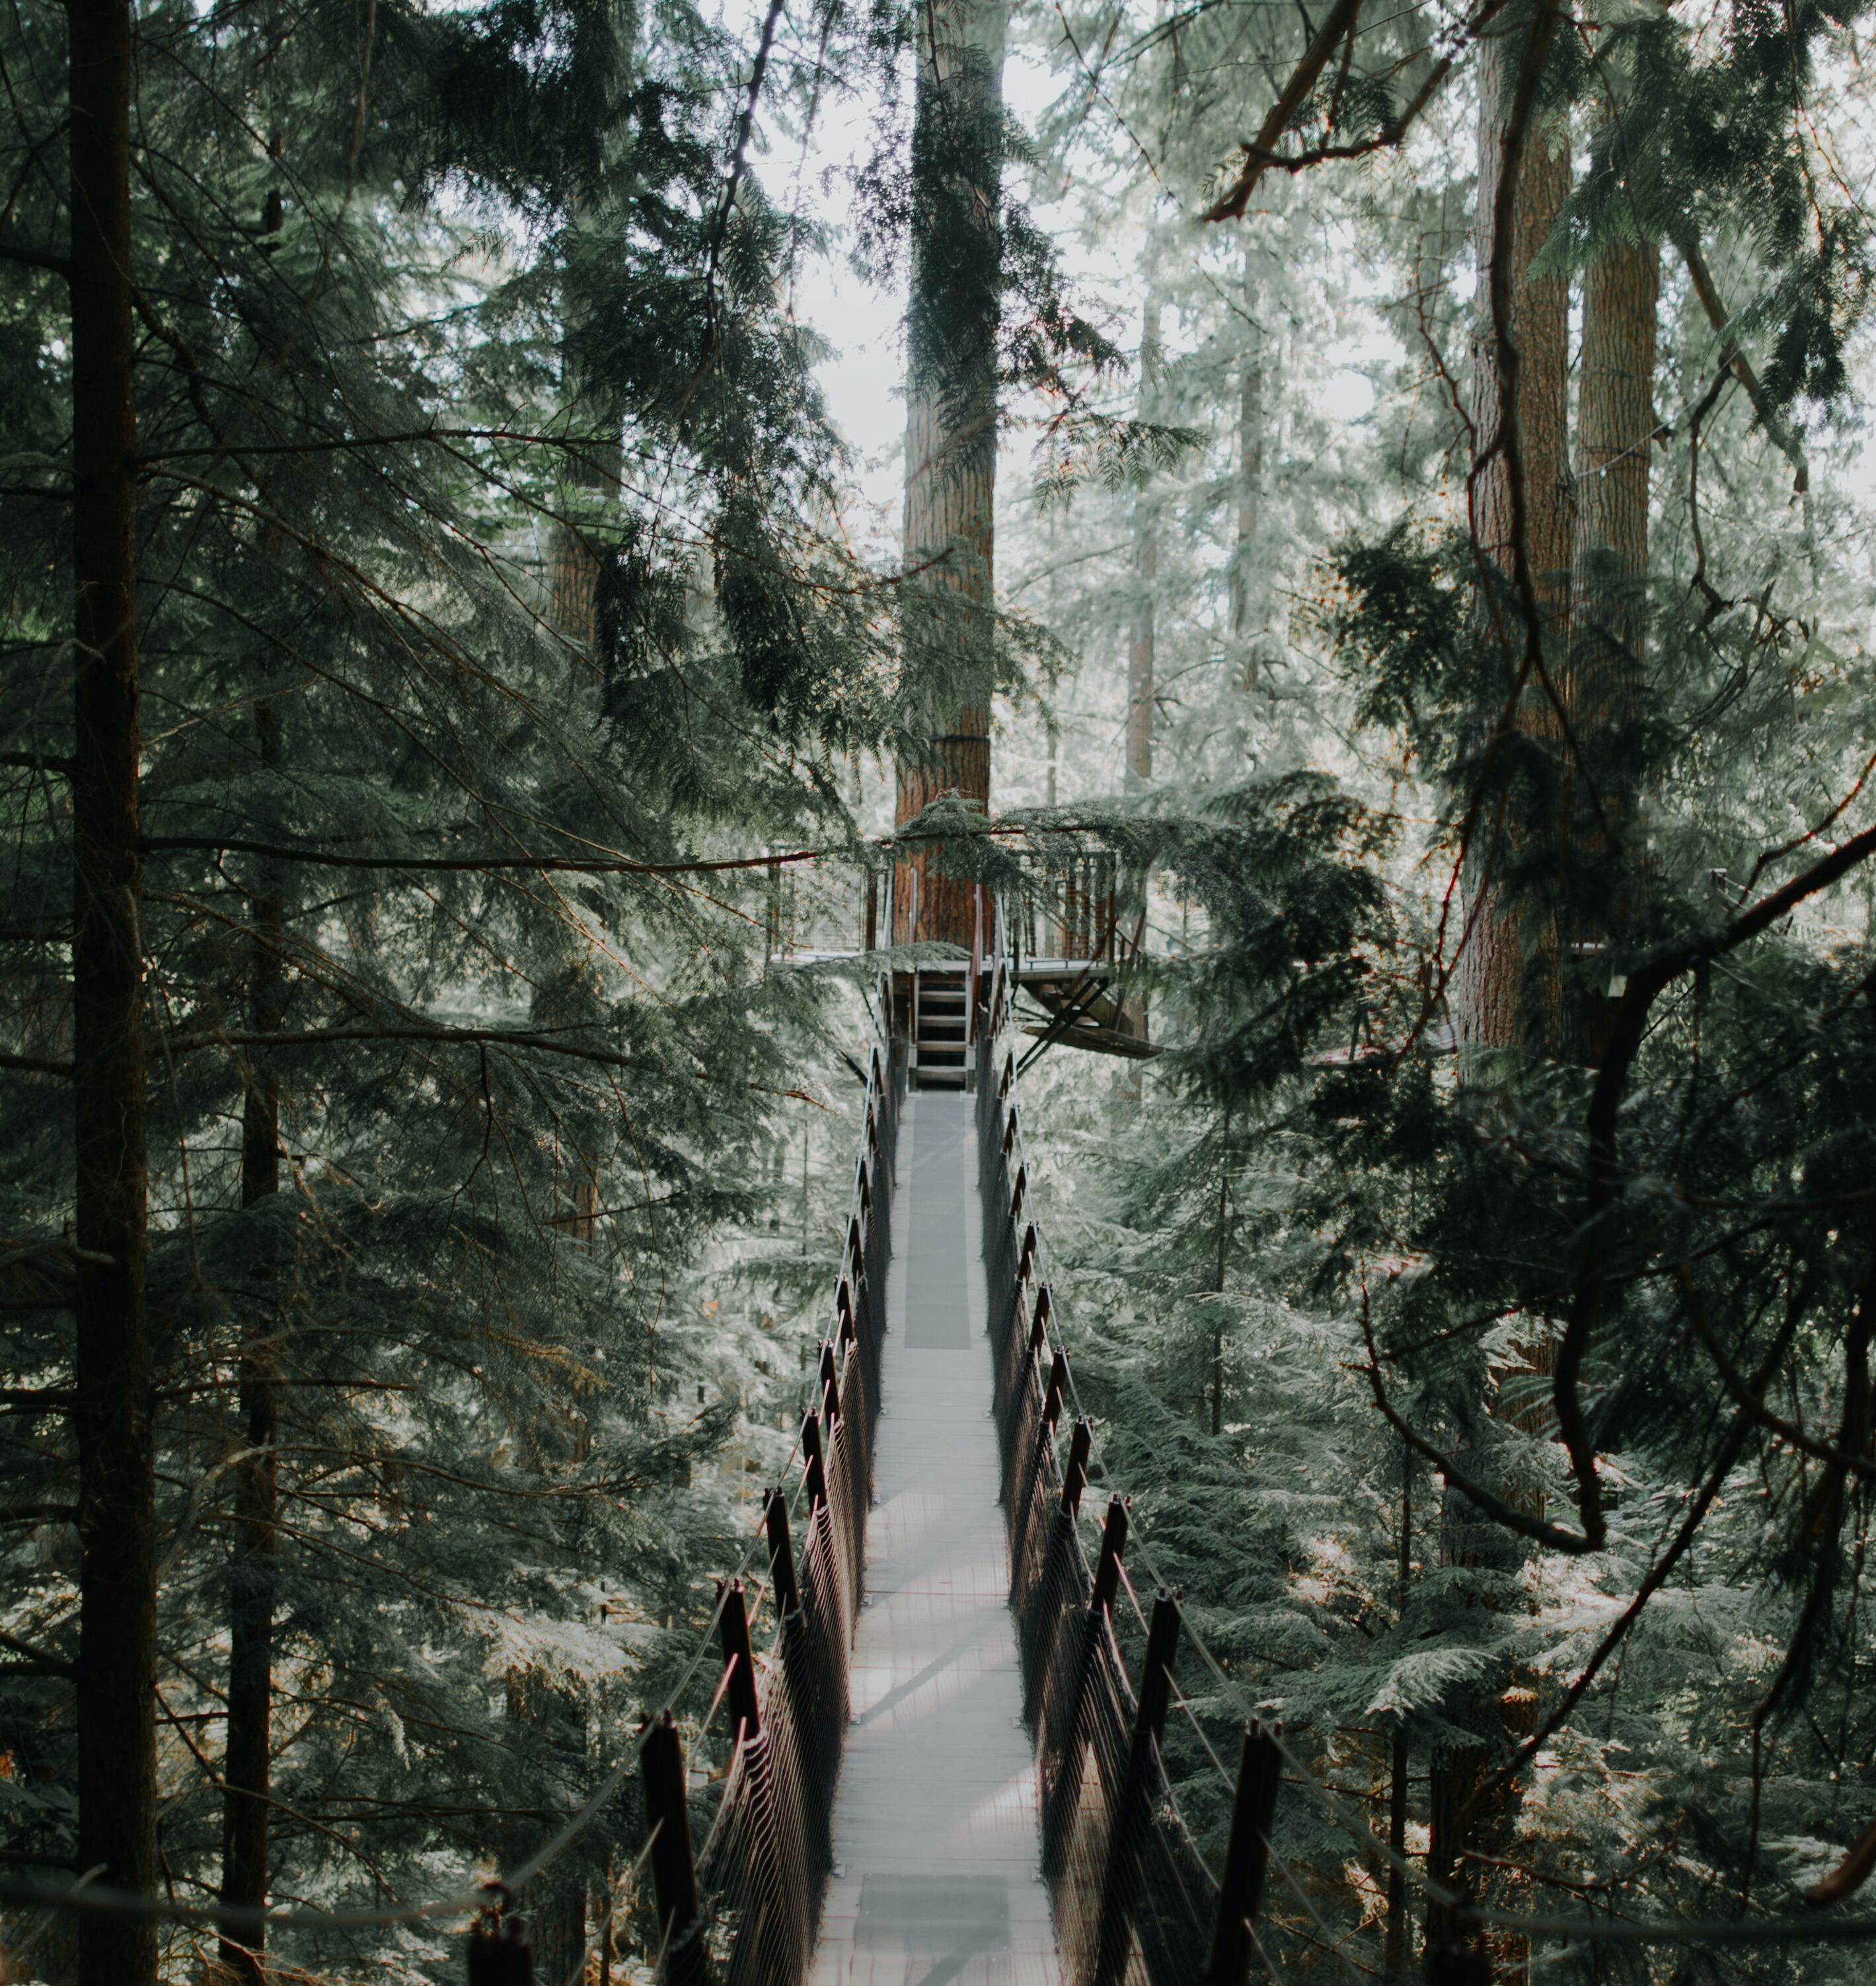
1247	1858
674	1875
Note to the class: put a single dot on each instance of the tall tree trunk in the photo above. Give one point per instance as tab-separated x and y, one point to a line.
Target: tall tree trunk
1139	708
1140	651
253	1577
1507	984
1508	987
1251	421
113	1414
947	602
247	1774
1604	687
1394	1954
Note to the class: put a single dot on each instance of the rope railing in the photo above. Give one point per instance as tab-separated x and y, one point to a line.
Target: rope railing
744	1910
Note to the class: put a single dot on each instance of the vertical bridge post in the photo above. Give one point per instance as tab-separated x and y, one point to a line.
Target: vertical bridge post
739	1659
781	1557
1246	1859
1107	1571
1075	1477
674	1877
1133	1811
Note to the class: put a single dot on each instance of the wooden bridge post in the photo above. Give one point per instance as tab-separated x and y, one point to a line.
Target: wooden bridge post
817	1462
1246	1859
1052	1396
733	1628
1075	1477
781	1557
1155	1680
1107	1571
673	1875
830	1381
1131	1815
1039	1319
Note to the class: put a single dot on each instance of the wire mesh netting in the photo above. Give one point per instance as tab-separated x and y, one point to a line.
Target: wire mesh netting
762	1870
1134	1904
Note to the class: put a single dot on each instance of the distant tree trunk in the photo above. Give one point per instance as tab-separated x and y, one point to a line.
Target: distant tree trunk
253	1575
1506	982
1146	574
1224	1243
1140	654
1605	686
1251	422
1394	1952
948	601
112	1417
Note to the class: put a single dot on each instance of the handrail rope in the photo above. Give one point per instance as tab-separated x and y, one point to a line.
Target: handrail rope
1812	1926
96	1898
1352	1823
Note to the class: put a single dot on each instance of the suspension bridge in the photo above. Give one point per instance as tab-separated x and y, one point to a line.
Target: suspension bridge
944	1769
946	1694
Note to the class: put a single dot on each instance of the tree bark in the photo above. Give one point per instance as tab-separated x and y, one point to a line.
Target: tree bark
253	1575
1251	419
1394	1954
246	1773
948	601
1605	686
1139	656
112	1416
1507	983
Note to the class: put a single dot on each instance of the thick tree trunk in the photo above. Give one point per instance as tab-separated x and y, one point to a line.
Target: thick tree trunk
1506	985
1605	687
948	603
113	1415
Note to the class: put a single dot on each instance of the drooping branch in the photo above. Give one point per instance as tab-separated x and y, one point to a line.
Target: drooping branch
1260	155
1645	985
1783	438
1260	151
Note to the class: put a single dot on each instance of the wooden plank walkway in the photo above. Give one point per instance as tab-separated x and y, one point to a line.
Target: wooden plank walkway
937	1879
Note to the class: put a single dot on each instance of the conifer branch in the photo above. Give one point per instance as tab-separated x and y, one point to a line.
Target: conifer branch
1645	984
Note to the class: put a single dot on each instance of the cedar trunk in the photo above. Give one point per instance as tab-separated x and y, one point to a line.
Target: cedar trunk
1507	985
247	1775
1140	657
253	1575
1250	485
112	1414
1604	687
1506	981
951	440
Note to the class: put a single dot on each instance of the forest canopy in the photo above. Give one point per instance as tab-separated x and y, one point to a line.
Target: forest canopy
1393	480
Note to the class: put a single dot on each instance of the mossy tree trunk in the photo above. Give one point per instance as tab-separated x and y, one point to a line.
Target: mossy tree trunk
948	604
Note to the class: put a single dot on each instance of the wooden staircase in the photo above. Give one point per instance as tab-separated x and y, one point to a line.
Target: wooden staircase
941	1027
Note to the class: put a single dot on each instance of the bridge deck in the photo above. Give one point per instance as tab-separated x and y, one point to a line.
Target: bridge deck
936	1840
